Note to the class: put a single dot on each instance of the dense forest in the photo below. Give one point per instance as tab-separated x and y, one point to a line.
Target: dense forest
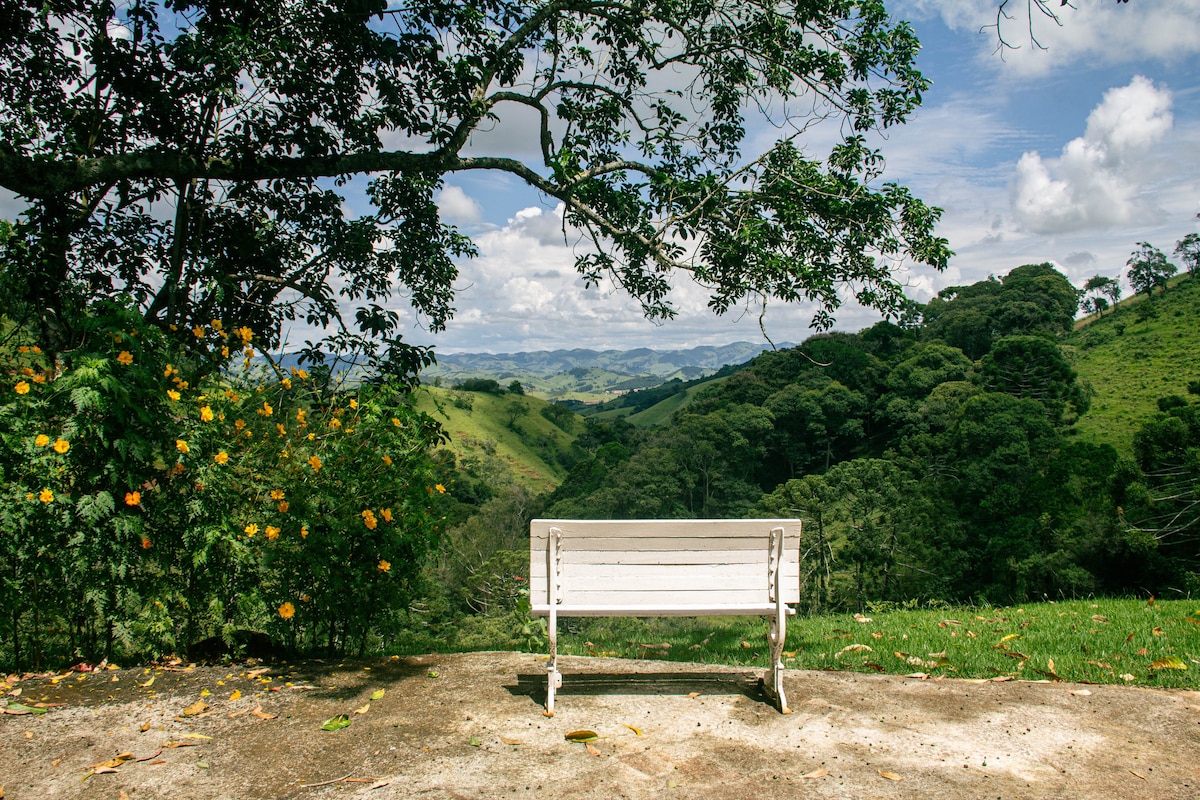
933	461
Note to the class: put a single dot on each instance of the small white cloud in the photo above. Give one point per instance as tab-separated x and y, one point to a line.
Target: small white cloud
455	205
1097	179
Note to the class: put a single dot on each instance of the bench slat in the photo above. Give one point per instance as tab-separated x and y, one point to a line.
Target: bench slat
578	610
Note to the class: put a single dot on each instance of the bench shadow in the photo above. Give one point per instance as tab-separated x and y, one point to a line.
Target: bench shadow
598	684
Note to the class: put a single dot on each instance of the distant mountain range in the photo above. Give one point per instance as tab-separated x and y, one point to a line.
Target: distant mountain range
561	373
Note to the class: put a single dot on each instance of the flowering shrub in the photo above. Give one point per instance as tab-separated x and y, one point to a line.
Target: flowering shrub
153	497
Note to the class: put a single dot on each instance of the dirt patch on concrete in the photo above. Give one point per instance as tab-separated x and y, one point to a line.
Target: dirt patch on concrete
470	726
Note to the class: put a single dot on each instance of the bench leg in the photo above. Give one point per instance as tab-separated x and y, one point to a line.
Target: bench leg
773	680
553	676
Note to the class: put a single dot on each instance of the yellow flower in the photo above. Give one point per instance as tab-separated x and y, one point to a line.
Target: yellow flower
301	374
173	395
283	506
396	422
277	494
287	611
251	529
133	498
62	446
198	332
206	414
244	333
181	445
169	371
266	409
216	324
239	424
387	460
335	423
300	415
42	440
22	387
369	519
315	463
272	532
286	383
221	457
303	531
386	514
224	351
125	357
46	496
232	396
440	489
39	378
384	566
311	437
353	403
180	383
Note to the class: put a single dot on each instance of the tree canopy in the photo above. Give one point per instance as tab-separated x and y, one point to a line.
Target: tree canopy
192	159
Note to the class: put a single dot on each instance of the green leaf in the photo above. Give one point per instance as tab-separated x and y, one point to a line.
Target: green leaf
17	708
336	723
377	694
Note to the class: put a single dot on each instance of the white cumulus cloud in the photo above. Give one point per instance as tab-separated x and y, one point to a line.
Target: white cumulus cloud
1098	178
456	205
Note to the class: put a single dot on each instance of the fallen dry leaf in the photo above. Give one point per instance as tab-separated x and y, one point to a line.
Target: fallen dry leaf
113	762
582	736
237	695
819	772
198	707
1099	618
145	726
508	740
1137	774
1081	692
258	712
891	776
173	745
693	695
591	748
1168	662
363	709
636	731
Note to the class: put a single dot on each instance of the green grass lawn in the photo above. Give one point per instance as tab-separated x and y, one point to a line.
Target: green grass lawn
1125	642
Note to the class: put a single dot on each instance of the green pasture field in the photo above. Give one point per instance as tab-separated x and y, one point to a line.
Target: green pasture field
1124	642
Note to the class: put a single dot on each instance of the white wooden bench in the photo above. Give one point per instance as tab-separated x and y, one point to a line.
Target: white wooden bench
655	568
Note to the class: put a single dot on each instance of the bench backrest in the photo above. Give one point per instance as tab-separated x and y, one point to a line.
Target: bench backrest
663	567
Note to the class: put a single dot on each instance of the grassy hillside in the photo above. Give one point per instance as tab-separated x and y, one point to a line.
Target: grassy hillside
1134	355
509	427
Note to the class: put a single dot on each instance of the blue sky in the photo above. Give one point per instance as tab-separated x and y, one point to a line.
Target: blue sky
1071	154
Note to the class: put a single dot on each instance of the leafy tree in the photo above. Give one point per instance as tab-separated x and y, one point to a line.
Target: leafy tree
195	155
1100	289
1033	367
1149	268
1188	250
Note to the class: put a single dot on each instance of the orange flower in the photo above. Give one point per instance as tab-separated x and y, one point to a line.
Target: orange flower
239	424
300	415
383	566
125	357
353	403
221	457
287	611
42	440
62	446
206	414
46	496
39	378
286	383
169	371
303	531
266	409
181	446
440	489
387	460
173	395
386	514
282	430
146	543
315	463
22	387
369	520
133	498
283	506
396	422
198	332
335	423
277	494
272	532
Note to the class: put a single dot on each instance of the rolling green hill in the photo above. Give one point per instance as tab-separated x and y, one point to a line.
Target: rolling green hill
1134	355
516	429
